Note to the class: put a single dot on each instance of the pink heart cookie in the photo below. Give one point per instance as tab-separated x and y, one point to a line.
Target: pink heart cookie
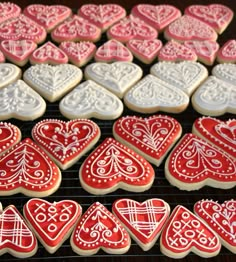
26	169
48	54
111	166
194	163
151	137
79	53
221	218
52	222
227	53
131	27
22	28
215	15
185	232
15	236
189	28
98	229
66	142
145	50
48	16
8	10
112	51
144	221
158	16
76	29
2	57
217	132
103	16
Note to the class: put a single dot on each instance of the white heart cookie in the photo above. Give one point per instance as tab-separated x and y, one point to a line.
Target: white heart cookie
8	74
20	101
226	72
151	94
117	77
52	82
91	100
186	75
215	97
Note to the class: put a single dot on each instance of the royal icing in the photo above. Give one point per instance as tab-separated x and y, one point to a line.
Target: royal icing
66	142
194	163
8	10
184	232
91	100
112	165
99	228
226	72
8	74
117	77
151	137
227	53
143	220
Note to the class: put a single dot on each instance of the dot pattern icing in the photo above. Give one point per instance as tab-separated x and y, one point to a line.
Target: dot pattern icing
8	10
8	74
226	72
227	53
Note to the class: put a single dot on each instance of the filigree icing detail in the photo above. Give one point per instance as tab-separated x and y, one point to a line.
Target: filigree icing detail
226	72
8	10
229	49
8	74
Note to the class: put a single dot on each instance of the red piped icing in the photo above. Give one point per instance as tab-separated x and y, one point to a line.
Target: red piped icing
8	10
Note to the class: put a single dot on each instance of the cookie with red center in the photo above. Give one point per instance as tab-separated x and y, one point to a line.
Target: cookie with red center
8	10
227	53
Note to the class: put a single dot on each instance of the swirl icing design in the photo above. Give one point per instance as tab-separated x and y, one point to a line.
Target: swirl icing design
8	74
8	10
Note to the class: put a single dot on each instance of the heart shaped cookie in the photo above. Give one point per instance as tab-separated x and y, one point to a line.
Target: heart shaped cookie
52	82
215	15
189	28
8	10
8	73
186	75
226	72
151	94
15	236
98	229
2	57
158	16
111	166
26	169
227	53
217	132
117	77
184	232
151	137
221	218
91	100
66	142
194	163
144	221
103	16
52	222
48	16
131	27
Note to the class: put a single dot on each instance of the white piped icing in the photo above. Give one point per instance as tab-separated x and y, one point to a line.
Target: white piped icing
8	74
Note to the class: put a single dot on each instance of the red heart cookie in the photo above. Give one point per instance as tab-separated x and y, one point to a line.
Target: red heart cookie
221	218
111	166
15	236
52	222
8	10
227	53
217	132
99	228
66	142
144	221
195	163
26	169
184	232
150	137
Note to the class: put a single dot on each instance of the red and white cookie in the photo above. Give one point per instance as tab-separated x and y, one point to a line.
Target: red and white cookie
9	73
221	218
217	132
145	50
158	16
26	169
189	28
227	53
185	232
66	142
98	229
16	238
144	221
111	166
131	27
215	15
151	137
52	222
103	16
48	54
112	51
194	163
76	29
48	16
22	28
80	53
8	10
